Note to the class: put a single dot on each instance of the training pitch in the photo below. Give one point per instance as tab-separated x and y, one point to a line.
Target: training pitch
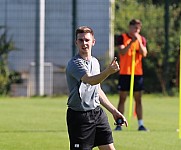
39	124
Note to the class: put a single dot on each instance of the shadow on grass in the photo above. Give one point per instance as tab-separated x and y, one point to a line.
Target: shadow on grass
152	130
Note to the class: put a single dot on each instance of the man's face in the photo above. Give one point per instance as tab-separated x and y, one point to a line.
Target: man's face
84	42
134	29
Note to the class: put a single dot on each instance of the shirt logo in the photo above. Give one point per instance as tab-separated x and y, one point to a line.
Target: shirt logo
76	145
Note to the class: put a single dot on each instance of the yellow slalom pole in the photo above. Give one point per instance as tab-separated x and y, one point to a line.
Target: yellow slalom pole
180	93
131	85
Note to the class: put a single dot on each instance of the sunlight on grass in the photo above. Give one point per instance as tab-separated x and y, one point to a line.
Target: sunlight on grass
40	124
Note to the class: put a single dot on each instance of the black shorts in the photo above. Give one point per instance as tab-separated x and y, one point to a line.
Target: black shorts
124	83
88	129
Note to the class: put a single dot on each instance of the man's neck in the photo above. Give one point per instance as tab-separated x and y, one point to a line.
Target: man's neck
85	56
130	35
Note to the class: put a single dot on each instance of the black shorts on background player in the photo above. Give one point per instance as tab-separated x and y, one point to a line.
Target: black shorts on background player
124	83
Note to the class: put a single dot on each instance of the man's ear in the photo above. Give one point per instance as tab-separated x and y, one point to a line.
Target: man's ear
94	42
76	42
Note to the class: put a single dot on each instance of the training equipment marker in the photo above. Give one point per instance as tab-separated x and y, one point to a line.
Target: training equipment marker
180	93
132	85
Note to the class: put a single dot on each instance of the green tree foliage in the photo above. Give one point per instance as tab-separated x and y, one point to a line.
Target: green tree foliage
159	2
6	77
152	17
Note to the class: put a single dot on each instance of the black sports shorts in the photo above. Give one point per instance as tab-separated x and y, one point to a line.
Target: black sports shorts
88	129
124	83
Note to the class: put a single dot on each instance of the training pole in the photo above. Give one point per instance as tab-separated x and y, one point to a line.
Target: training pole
180	93
131	86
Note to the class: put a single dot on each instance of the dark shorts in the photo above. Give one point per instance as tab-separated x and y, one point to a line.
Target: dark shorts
124	83
88	129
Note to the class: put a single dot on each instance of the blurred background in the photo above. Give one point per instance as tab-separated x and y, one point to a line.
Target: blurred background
37	40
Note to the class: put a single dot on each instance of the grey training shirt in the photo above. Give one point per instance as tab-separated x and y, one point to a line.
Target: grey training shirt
83	96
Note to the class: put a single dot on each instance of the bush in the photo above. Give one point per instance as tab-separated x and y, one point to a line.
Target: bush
6	78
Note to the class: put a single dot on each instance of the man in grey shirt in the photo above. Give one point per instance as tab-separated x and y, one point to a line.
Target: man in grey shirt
86	121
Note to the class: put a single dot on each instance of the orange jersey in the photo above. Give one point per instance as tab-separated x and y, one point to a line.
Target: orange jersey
126	59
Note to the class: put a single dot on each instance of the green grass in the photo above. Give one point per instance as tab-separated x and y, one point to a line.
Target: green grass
39	124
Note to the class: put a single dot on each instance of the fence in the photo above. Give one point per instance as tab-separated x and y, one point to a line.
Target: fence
23	19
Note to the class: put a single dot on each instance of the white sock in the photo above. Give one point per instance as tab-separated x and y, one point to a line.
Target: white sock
140	122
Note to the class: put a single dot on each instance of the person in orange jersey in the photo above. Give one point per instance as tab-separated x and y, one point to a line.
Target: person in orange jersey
127	43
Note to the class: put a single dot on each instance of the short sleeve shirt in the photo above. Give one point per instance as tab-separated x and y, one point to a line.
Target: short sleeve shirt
82	96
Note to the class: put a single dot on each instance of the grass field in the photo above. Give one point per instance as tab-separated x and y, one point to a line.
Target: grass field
39	124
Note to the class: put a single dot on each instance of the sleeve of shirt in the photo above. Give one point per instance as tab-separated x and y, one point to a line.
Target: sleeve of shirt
120	40
77	69
144	41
